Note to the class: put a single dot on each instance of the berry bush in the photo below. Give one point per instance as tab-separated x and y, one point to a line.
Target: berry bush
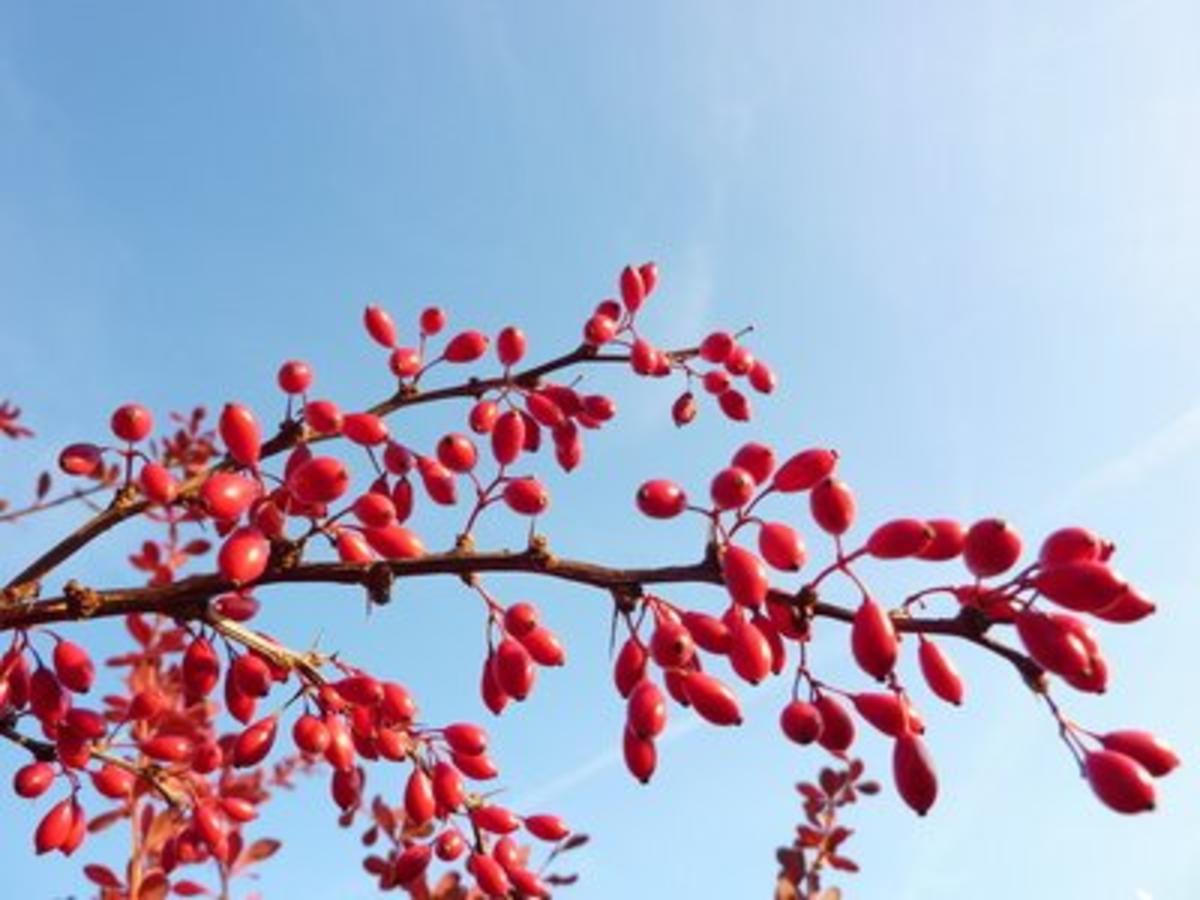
203	717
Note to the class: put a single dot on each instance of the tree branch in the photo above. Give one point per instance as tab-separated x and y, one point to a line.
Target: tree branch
188	597
125	504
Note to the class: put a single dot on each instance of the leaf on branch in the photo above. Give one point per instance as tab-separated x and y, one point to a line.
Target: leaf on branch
573	842
102	876
104	820
263	848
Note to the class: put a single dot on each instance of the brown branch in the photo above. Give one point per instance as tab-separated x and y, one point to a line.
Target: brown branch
125	505
43	505
188	598
43	751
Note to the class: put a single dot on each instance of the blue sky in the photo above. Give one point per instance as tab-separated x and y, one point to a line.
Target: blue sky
966	233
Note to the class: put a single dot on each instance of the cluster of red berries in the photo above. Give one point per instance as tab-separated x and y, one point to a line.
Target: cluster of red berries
1072	572
161	743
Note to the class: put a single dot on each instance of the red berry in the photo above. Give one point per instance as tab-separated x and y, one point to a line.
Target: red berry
873	639
683	410
646	712
395	542
837	731
201	669
80	459
439	482
1074	544
641	757
158	484
1083	585
883	710
545	648
489	875
450	845
899	538
310	735
801	722
510	346
132	422
546	827
113	782
781	546
731	488
323	416
410	864
745	576
448	787
483	415
74	667
832	504
712	699
241	434
321	479
1151	752
1120	782
466	346
749	651
599	329
33	780
991	546
1052	645
941	676
716	347
520	619
633	289
630	666
495	819
169	748
227	496
433	320
526	496
244	555
295	377
508	437
466	739
661	499
716	382
365	429
671	645
514	667
805	470
375	510
762	377
707	631
735	405
947	541
740	361
912	768
756	459
405	362
649	275
419	803
380	326
457	453
55	827
254	743
1129	606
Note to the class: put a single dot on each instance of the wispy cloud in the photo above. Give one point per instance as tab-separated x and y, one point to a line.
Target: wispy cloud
1177	438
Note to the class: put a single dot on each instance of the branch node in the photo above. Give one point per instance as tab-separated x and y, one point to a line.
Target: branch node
84	602
379	580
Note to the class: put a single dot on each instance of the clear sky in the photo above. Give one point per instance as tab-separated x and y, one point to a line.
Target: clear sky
967	234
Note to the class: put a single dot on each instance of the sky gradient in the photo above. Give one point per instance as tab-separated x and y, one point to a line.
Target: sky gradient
966	235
